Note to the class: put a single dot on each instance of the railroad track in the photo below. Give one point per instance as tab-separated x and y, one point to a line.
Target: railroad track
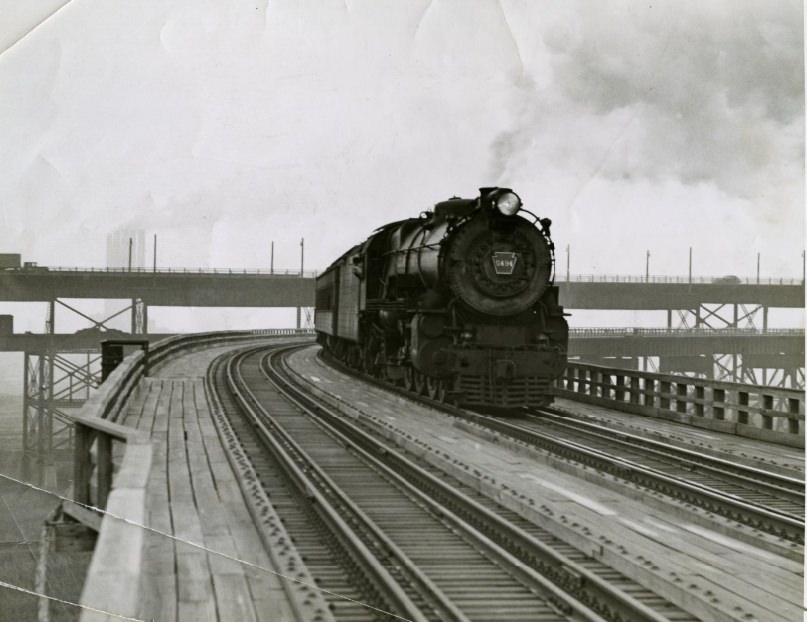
765	501
775	491
750	499
407	539
264	480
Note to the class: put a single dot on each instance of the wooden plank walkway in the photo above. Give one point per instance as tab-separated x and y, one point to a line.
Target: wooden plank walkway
205	558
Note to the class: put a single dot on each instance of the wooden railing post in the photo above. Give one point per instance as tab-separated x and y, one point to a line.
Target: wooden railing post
82	466
104	449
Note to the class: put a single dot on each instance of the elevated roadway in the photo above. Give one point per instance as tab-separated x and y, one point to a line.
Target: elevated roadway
241	288
170	288
664	293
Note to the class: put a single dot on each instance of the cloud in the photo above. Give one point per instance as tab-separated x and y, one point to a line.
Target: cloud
693	91
223	127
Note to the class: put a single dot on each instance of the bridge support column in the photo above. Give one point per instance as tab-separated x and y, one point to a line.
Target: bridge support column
140	315
37	429
54	380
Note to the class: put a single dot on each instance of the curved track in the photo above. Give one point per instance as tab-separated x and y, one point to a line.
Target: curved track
770	503
776	492
396	534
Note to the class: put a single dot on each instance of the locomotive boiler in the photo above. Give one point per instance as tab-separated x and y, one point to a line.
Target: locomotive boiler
458	304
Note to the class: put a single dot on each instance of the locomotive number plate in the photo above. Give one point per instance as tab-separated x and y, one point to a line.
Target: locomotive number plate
504	262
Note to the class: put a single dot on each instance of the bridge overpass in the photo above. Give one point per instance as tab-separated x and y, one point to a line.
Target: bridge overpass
705	341
696	302
288	288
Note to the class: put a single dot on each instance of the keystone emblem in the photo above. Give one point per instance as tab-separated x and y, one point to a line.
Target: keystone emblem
504	262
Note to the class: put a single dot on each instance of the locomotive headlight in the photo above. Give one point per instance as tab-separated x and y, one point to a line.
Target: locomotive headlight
508	203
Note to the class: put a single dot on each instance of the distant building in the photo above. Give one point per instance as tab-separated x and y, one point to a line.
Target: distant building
117	248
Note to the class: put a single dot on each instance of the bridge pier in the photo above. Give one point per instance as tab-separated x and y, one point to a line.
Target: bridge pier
140	317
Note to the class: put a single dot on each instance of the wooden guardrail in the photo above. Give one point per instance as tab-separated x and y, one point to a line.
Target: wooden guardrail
761	412
113	578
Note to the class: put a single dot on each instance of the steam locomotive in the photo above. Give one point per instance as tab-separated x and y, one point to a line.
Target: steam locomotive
458	304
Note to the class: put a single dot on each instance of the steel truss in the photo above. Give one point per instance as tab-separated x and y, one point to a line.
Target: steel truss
57	381
720	316
730	366
308	312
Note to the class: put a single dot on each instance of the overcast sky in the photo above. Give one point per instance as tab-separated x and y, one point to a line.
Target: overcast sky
221	126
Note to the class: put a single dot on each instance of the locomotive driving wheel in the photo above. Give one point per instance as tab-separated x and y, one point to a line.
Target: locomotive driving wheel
436	388
409	379
419	382
447	396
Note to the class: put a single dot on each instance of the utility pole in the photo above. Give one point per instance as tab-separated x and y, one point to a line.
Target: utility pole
567	263
130	254
302	257
690	265
757	268
155	253
272	259
647	267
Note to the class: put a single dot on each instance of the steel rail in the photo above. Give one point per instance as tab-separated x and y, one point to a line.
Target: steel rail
779	524
266	519
523	550
790	487
352	437
283	447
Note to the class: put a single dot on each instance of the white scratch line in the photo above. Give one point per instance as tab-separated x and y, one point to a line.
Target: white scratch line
35	27
202	547
67	602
